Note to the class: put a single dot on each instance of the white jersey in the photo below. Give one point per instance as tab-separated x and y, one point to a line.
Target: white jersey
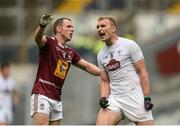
118	60
6	92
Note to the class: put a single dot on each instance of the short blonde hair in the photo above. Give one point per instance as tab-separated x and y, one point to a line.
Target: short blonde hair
112	20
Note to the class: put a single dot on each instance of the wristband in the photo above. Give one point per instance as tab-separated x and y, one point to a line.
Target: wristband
147	98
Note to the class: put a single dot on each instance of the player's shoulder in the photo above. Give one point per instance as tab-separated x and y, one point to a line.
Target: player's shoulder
127	41
50	40
11	81
100	53
50	37
70	49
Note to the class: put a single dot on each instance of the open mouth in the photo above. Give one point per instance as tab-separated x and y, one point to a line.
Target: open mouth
71	35
101	34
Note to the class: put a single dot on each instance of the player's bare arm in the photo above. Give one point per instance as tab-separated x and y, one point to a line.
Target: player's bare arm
143	74
105	84
39	38
105	89
89	67
144	79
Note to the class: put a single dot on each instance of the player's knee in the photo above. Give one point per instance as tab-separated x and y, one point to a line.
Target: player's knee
41	122
41	119
99	122
99	119
2	123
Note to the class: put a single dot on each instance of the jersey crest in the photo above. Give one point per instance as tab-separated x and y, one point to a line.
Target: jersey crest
65	55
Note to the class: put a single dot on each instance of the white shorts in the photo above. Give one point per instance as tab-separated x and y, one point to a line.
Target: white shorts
5	115
131	106
43	104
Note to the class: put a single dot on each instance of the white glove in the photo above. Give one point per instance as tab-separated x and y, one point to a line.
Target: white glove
45	20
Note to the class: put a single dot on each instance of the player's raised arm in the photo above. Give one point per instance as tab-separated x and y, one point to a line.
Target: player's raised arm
89	67
44	21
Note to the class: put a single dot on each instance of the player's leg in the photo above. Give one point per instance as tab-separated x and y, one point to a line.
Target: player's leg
40	109
148	122
40	119
9	116
3	120
108	117
56	112
133	109
3	124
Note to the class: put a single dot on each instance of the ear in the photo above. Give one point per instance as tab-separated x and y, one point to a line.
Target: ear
113	28
58	29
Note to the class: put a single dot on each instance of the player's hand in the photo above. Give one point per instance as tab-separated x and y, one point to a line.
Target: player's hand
45	20
147	103
103	102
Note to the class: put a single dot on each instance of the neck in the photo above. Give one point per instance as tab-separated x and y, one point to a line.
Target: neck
60	39
112	40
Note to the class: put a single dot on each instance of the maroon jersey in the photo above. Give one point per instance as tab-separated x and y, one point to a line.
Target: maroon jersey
54	63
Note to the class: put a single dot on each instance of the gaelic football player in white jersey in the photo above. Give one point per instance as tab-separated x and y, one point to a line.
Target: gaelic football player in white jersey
128	93
9	97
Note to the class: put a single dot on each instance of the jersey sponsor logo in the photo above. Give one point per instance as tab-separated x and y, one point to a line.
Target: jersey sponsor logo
61	69
113	65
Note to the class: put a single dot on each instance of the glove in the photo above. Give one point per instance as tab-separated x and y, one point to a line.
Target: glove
103	102
45	20
147	103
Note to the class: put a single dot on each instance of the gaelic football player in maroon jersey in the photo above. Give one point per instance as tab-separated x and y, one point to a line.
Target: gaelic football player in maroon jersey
54	62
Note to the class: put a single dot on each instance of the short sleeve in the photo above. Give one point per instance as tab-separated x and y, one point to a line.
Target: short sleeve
100	65
47	43
76	57
48	39
135	52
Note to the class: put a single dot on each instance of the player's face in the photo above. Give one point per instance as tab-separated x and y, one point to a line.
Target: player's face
67	30
105	29
5	72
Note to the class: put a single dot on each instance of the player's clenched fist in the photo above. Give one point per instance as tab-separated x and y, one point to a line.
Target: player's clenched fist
45	20
103	102
147	103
